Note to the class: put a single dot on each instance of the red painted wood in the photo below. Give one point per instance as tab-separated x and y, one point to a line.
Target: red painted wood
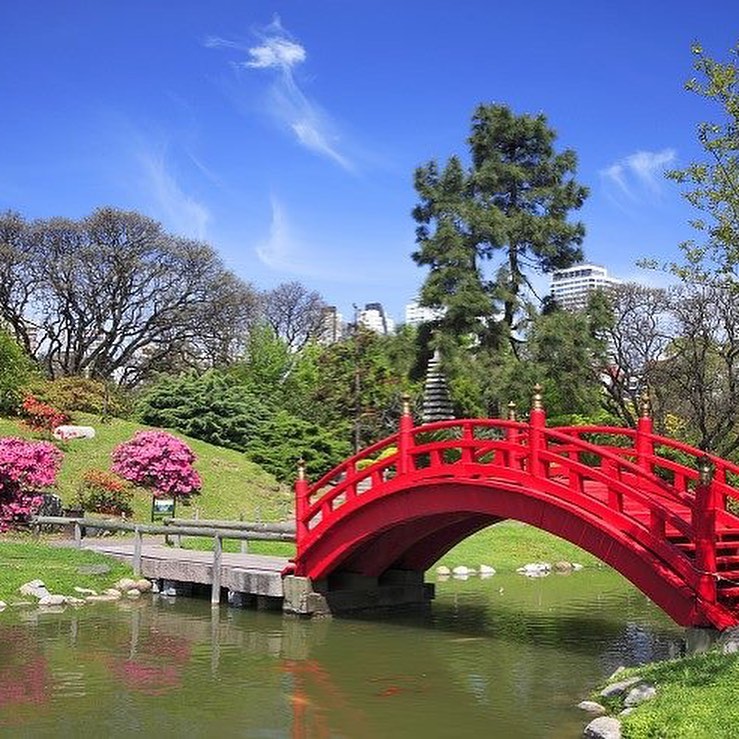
619	499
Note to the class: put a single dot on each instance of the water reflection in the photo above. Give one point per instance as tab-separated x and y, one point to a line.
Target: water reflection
506	654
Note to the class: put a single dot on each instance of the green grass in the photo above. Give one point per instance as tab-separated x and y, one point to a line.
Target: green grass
697	698
23	561
232	485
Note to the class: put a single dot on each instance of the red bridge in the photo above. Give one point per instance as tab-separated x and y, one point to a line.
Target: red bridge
651	507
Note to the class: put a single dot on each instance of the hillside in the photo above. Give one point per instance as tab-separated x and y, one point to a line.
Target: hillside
232	485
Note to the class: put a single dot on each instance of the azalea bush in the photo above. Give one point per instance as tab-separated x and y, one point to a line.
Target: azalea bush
159	461
26	468
40	416
101	491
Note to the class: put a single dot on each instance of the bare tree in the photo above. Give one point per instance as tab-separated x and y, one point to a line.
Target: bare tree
114	294
294	313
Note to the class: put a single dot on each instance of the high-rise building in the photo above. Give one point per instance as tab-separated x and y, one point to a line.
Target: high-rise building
572	286
416	314
375	319
332	326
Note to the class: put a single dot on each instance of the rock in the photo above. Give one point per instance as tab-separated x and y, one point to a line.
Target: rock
125	584
443	570
639	694
576	567
591	707
487	570
93	569
85	591
143	585
68	432
72	601
729	640
101	598
3	605
462	570
133	593
617	689
21	604
603	727
52	600
626	711
562	566
35	588
113	592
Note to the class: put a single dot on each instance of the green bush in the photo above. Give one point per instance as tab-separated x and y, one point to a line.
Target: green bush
83	395
16	370
211	407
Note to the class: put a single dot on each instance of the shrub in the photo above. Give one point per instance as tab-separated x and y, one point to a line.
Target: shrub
210	407
39	416
26	468
159	461
101	491
81	394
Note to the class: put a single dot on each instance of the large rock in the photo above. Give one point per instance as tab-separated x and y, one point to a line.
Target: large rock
591	707
615	690
126	584
462	570
68	432
143	585
443	570
34	588
603	727
639	694
3	605
487	570
52	600
535	569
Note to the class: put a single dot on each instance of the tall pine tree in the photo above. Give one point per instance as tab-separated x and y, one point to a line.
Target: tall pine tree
509	208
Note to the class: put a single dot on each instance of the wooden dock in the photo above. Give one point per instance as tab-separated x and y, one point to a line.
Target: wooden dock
246	575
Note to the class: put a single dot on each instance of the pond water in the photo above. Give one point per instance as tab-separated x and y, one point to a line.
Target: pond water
505	656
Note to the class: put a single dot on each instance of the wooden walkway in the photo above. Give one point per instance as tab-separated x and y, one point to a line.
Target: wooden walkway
249	574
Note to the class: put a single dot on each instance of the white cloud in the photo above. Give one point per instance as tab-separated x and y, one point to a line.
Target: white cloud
278	54
638	171
180	211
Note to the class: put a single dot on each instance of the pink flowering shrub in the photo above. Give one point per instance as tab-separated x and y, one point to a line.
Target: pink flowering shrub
26	468
160	461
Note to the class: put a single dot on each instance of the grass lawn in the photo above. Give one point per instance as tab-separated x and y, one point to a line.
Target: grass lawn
697	698
232	485
25	560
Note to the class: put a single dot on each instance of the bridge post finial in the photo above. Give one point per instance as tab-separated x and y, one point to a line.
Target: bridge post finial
537	440
301	504
537	404
645	404
705	507
511	410
644	430
405	399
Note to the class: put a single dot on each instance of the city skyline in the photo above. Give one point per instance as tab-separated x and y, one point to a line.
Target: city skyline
287	136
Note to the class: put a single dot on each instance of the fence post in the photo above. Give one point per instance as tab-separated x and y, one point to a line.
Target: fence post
537	422
215	593
136	551
405	436
301	506
705	506
78	534
644	431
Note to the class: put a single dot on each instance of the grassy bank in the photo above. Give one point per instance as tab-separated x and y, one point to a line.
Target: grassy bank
697	698
232	485
58	567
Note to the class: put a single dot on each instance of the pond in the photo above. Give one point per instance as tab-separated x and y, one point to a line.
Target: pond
504	656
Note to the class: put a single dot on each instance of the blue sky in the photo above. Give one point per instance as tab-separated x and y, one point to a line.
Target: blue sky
286	133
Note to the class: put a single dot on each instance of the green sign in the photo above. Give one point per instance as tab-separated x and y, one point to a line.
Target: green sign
162	508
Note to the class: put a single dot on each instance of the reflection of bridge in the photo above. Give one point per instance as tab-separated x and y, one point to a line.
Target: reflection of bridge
651	507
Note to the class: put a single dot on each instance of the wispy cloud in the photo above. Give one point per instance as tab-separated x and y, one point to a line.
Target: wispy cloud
639	172
278	54
180	211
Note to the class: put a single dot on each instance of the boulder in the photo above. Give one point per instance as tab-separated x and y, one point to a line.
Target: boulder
84	591
591	707
640	693
562	566
67	432
112	592
52	600
133	593
603	727
535	569
487	570
463	570
443	570
34	588
615	690
143	585
125	584
3	605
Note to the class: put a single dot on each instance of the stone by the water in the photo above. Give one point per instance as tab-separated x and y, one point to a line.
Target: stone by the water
34	588
591	707
462	570
143	585
639	694
487	570
52	600
113	592
443	570
619	688
603	727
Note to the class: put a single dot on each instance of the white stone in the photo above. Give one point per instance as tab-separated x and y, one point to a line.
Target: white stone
603	727
133	592
3	605
535	569
591	707
443	570
463	570
487	570
143	585
52	600
576	567
68	432
84	591
35	588
125	584
639	694
113	592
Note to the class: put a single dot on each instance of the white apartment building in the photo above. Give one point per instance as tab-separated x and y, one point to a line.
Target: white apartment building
416	314
374	318
571	287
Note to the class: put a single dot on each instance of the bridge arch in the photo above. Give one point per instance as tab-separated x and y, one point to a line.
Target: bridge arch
437	484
